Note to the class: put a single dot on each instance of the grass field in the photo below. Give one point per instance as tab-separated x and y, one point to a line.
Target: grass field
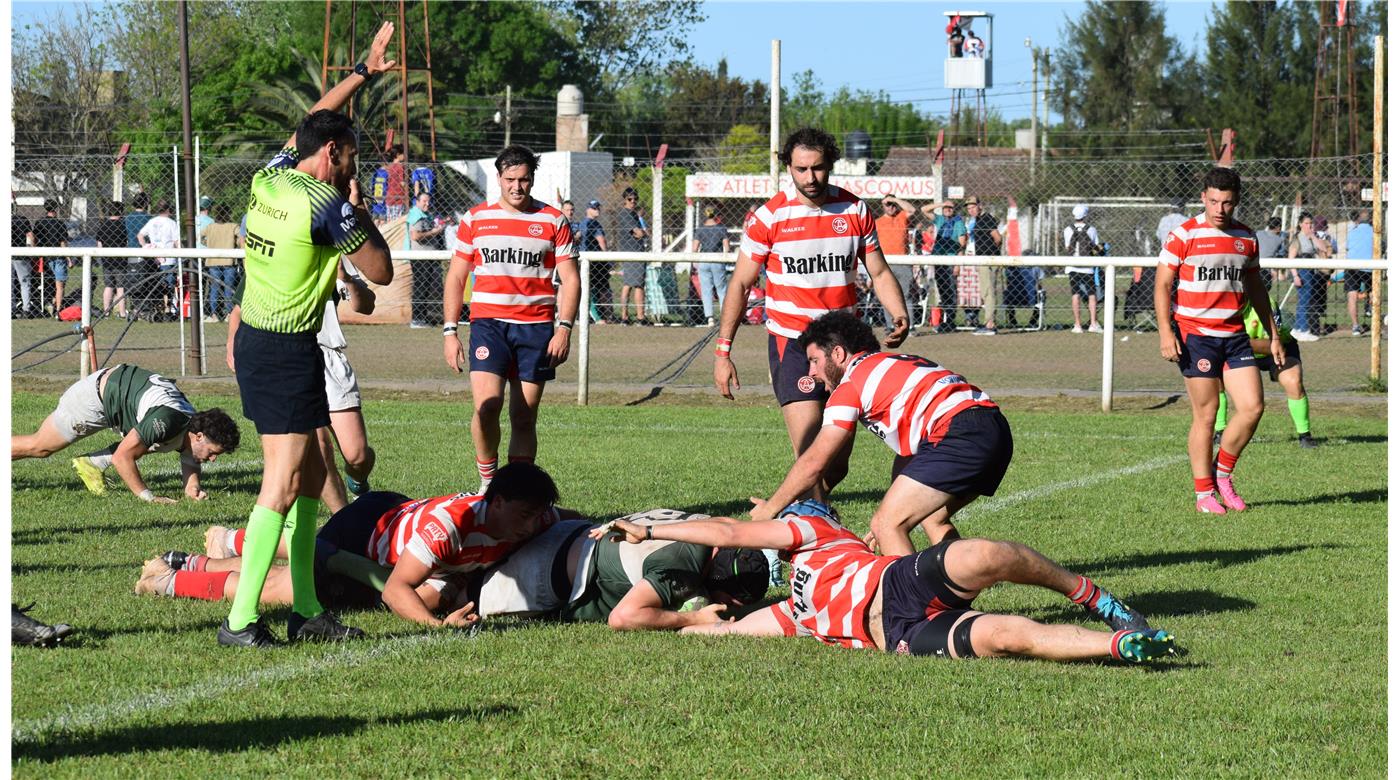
1282	610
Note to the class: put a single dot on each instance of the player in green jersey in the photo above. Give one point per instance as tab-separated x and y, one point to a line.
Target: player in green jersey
1290	376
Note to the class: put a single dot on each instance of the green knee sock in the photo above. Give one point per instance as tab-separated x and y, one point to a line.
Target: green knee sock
1298	410
1221	412
300	532
259	548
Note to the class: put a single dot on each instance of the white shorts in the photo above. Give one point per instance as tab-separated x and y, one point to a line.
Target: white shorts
79	411
524	582
342	388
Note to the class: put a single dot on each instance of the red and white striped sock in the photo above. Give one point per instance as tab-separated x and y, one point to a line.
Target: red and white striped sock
1205	488
1225	464
195	562
235	540
487	470
1085	592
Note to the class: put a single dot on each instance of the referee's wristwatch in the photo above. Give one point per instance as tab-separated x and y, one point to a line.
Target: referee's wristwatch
363	71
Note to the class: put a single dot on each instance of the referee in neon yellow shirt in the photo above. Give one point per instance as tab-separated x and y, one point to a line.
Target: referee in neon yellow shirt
304	213
1290	376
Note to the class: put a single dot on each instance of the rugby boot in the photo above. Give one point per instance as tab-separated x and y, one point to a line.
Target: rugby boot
322	628
91	475
355	486
1117	615
1140	646
1210	506
1226	488
216	542
1305	440
157	578
253	635
25	630
175	559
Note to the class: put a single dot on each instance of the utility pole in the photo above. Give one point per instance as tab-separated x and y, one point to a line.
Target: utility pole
1045	106
1035	104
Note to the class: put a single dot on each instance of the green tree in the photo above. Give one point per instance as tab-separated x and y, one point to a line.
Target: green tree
744	149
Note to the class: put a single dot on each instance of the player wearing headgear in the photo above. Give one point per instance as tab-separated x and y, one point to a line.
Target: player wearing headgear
305	212
414	555
520	327
149	413
564	572
1289	375
950	440
1216	259
845	594
808	239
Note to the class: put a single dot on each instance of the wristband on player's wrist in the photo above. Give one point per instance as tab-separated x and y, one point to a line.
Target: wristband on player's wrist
565	324
449	330
723	346
649	536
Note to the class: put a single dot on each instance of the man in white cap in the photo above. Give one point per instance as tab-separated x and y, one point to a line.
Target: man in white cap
1082	240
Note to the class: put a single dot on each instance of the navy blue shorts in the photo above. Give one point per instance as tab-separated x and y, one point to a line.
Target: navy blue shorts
1207	356
916	590
789	371
350	530
281	380
970	459
511	349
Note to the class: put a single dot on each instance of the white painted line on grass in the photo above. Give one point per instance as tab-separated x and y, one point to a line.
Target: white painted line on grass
998	503
96	716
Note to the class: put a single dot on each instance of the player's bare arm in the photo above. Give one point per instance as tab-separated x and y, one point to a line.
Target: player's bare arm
569	290
806	473
891	297
715	532
642	610
235	317
455	286
401	596
189	475
760	623
362	298
372	258
375	64
124	460
736	299
1162	304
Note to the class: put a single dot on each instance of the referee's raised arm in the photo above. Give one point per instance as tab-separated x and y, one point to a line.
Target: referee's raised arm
365	72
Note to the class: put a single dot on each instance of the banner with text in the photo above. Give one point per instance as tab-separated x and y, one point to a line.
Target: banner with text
758	186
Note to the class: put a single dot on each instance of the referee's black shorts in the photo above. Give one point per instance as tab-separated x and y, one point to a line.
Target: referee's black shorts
281	379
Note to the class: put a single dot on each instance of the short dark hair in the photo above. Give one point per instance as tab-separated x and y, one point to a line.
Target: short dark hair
1275	223
217	427
839	328
1223	179
1357	216
140	201
115	208
51	204
566	202
629	193
742	574
319	128
163	207
811	138
514	155
221	213
522	481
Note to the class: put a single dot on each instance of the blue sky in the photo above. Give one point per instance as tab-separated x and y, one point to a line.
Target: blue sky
895	46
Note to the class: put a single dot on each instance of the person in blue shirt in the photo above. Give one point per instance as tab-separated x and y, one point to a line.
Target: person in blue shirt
1360	246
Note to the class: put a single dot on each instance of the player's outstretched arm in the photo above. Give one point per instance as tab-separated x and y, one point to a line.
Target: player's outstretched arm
714	532
891	297
806	473
760	623
736	299
642	610
336	98
401	596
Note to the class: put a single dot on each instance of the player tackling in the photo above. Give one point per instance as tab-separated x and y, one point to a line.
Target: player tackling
1216	260
520	327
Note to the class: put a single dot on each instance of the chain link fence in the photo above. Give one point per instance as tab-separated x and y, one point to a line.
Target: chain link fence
1126	200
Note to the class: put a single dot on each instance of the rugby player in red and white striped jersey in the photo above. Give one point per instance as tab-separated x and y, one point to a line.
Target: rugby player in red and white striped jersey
808	238
520	329
843	593
1215	259
950	440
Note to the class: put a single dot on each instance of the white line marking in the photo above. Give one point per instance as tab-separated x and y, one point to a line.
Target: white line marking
96	716
995	504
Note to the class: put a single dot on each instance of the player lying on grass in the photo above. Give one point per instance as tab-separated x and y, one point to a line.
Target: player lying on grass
1289	376
845	594
410	555
149	412
951	442
563	572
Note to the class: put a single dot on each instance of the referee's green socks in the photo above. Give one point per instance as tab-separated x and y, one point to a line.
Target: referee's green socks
1298	410
1220	413
259	549
300	532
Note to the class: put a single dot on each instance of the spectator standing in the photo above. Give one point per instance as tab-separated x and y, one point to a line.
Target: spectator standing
892	229
111	232
50	231
203	219
631	237
1310	282
948	236
591	238
425	233
1170	221
714	277
396	187
22	268
162	232
1360	246
220	233
139	269
974	46
1272	244
984	239
1082	240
